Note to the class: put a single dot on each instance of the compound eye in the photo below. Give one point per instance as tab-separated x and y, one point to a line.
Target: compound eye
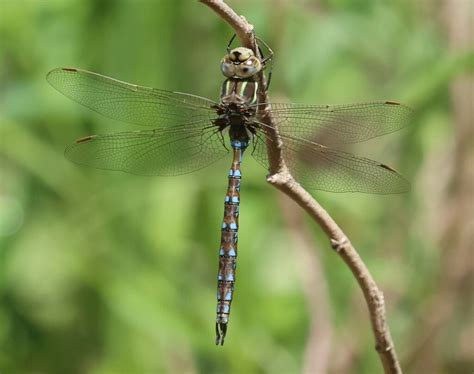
250	67
228	68
244	57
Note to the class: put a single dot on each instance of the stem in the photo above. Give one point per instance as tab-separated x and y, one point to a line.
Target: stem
281	178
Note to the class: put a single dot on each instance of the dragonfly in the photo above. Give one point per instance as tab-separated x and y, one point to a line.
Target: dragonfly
182	133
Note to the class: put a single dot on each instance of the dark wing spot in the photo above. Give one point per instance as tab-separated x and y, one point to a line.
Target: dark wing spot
69	69
85	139
387	167
392	103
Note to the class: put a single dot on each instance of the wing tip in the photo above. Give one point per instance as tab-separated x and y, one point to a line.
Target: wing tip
72	147
70	70
404	186
403	107
50	76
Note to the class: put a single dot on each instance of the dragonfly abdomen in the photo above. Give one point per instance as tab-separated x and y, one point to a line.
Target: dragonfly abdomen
228	248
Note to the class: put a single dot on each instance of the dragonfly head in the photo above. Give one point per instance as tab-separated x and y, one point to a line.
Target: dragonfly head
240	63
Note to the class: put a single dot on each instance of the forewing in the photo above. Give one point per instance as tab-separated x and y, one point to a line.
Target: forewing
128	102
174	151
340	124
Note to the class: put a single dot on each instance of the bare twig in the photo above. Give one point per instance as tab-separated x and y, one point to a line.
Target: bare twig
242	28
281	178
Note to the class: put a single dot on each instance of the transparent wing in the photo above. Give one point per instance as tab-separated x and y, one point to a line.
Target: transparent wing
128	102
340	124
321	168
175	151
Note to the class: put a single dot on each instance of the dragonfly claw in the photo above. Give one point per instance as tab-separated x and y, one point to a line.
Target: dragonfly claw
221	329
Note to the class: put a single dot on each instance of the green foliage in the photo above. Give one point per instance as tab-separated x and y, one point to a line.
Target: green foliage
106	272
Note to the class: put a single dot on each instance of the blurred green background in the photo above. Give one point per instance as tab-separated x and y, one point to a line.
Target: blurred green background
104	272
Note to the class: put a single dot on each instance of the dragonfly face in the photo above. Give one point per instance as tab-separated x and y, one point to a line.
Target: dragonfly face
240	63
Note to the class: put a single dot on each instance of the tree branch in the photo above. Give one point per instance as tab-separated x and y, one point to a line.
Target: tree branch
281	178
242	28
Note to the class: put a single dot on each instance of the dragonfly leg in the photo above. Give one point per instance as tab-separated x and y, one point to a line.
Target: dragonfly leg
221	329
270	52
230	42
221	138
269	79
264	60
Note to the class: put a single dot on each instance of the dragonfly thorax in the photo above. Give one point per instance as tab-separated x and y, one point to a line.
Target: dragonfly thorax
237	117
240	63
234	114
239	92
